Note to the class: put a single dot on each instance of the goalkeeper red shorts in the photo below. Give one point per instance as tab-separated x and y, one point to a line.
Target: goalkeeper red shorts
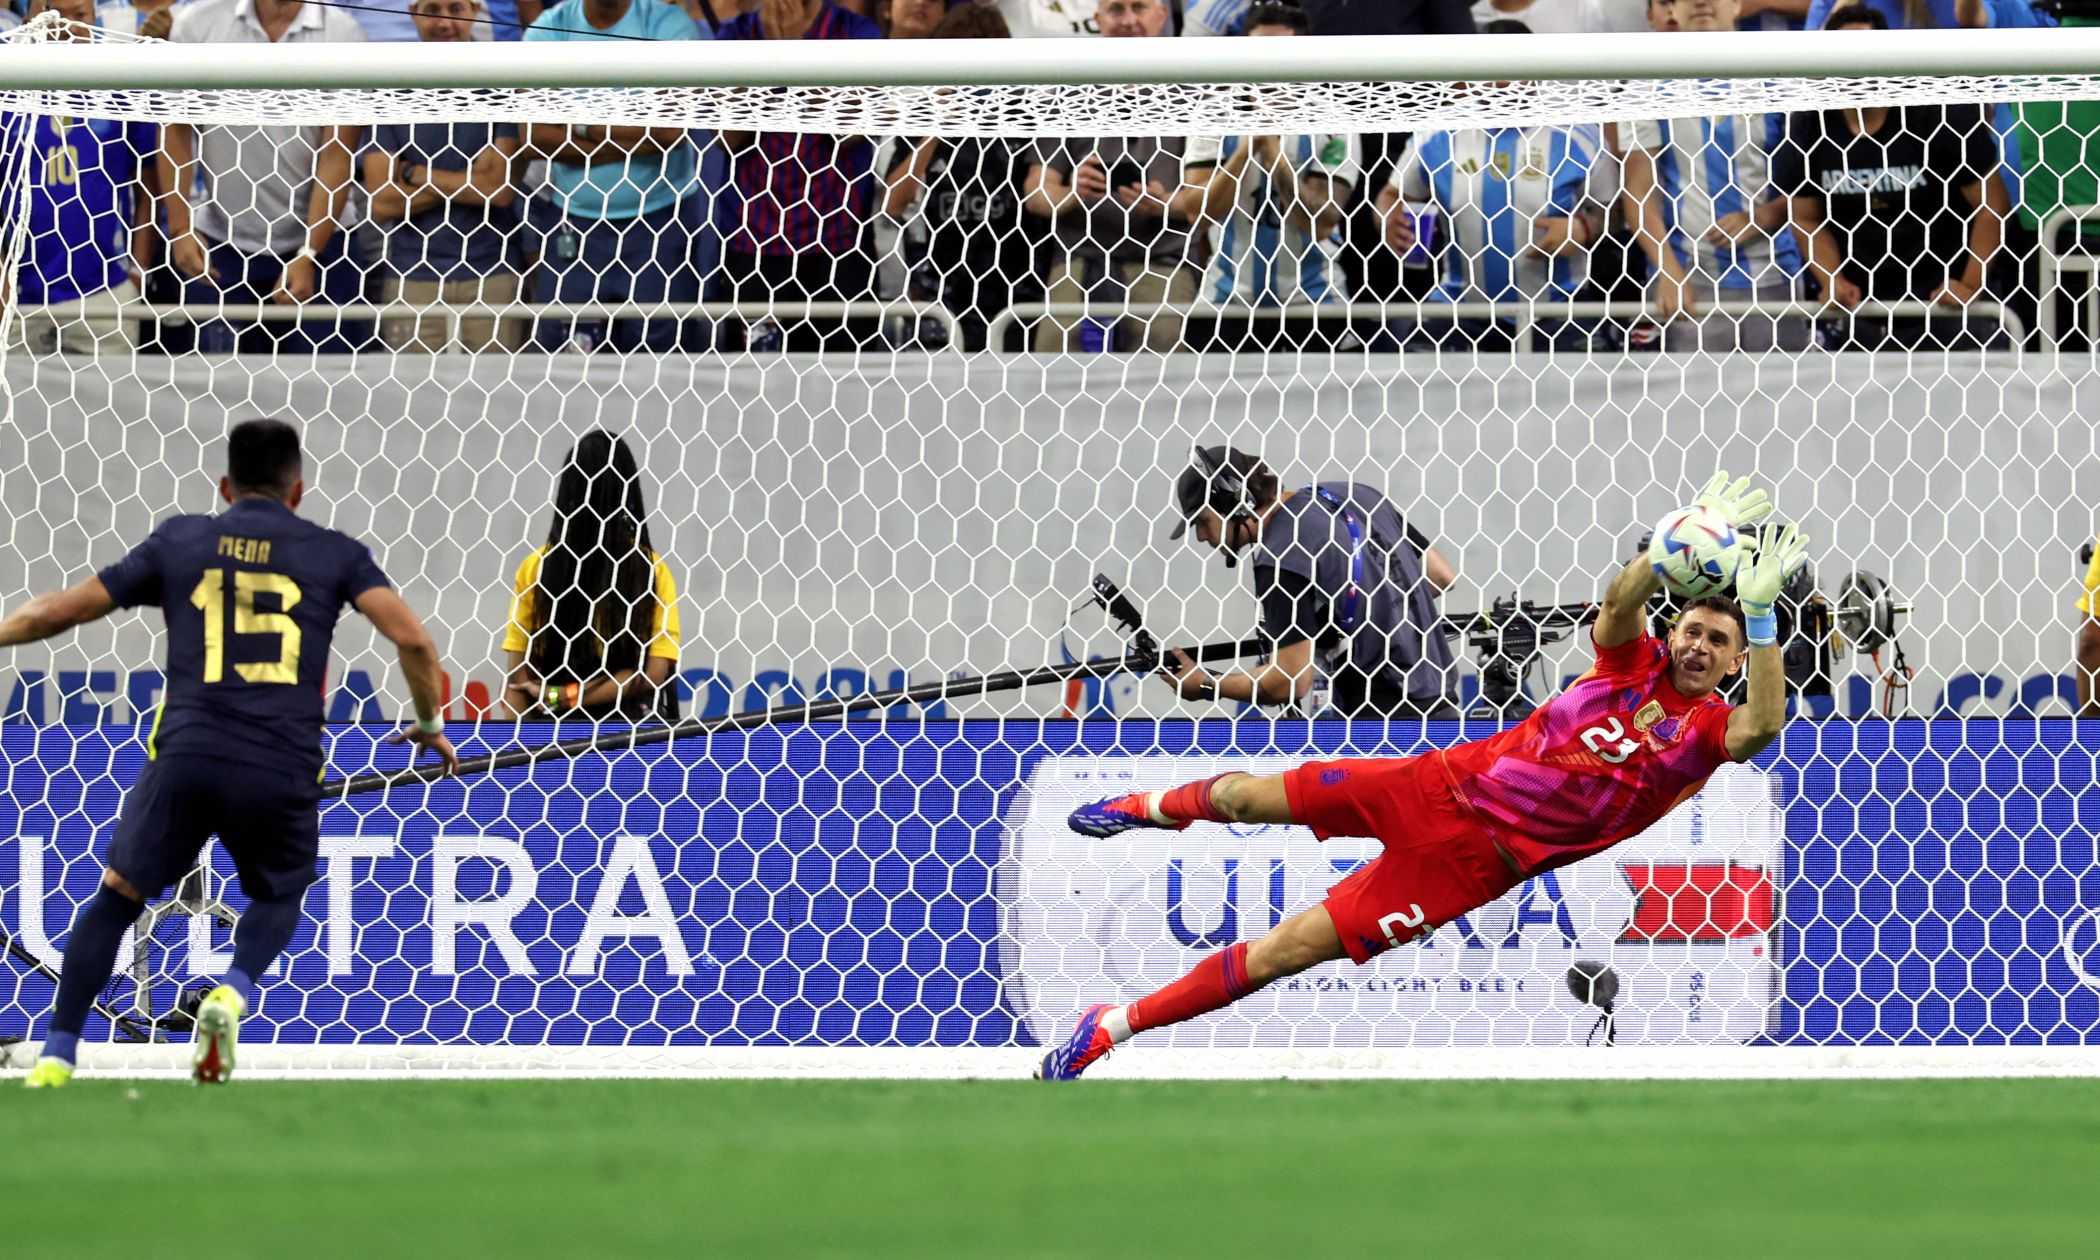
1439	862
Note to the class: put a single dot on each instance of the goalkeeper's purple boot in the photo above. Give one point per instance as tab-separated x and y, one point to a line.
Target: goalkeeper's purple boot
1112	816
1088	1044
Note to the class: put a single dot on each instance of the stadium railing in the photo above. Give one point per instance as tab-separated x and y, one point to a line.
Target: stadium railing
2056	264
452	313
1523	317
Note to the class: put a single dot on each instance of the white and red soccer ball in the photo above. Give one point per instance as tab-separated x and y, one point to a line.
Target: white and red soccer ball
1695	552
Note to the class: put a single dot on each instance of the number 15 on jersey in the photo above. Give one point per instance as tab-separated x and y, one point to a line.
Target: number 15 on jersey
209	598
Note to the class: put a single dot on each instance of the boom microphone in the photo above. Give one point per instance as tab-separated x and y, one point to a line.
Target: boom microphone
1116	604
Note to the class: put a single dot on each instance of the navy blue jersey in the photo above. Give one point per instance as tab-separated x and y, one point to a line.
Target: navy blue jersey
251	598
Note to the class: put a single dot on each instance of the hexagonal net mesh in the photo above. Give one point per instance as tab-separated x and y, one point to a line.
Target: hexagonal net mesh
723	426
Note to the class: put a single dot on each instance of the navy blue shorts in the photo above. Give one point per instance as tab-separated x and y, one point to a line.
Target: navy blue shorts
269	823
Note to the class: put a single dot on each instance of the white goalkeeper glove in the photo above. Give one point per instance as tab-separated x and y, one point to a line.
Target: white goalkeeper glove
1737	504
1762	575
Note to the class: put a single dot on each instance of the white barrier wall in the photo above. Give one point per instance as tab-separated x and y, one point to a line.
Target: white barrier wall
912	516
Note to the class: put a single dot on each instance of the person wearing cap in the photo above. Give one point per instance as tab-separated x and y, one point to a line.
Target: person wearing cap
1347	589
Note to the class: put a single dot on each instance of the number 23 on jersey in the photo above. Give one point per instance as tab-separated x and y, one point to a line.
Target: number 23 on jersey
1608	740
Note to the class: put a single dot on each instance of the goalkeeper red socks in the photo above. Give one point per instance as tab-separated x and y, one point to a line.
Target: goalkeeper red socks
1186	804
1217	981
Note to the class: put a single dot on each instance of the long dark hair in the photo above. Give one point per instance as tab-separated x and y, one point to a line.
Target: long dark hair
596	604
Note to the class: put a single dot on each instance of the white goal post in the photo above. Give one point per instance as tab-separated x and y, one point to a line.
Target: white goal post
891	424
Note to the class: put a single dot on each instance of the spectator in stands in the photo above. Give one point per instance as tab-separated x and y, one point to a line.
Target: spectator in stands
1119	238
799	204
1545	17
1619	268
1634	15
1514	211
89	220
970	251
593	628
267	228
391	21
1699	195
912	19
2062	142
1389	17
1893	204
1032	19
621	222
1207	18
1772	15
149	18
1949	14
899	19
442	194
1379	274
1927	14
1271	206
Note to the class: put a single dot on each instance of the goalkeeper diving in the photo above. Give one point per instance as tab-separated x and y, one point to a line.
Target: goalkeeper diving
1626	743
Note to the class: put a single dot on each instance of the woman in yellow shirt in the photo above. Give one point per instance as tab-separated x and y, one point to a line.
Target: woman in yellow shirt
2086	663
594	617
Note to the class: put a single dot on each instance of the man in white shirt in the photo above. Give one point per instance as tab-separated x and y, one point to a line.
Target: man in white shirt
1056	19
1545	17
269	226
1699	194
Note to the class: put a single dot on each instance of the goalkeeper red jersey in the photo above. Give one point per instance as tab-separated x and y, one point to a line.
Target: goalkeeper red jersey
1599	762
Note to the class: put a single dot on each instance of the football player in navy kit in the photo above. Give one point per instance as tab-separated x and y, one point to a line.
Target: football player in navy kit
251	597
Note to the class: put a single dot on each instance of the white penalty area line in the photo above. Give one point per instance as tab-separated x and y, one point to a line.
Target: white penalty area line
1690	1063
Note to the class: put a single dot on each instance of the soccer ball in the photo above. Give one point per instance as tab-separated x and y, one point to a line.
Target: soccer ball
1695	552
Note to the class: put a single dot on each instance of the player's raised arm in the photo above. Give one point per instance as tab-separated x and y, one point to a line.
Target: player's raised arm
56	612
1757	722
1625	605
392	617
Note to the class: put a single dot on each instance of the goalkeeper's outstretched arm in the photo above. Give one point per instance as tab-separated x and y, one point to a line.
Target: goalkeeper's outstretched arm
1763	574
1758	720
1625	606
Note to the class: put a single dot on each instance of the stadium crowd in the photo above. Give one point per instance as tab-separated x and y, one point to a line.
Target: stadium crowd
1720	230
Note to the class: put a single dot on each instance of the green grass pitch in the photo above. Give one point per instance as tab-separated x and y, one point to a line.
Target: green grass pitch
1277	1170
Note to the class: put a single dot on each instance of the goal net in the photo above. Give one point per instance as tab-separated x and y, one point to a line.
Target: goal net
901	370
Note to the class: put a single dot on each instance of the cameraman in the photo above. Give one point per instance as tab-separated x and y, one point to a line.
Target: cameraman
1347	590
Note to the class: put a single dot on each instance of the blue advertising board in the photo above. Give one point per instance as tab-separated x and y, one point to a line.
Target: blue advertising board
841	885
